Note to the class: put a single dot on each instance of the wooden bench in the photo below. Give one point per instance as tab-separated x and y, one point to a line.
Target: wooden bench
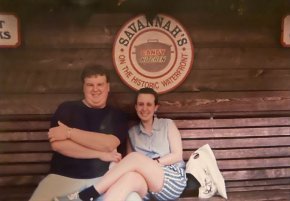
253	153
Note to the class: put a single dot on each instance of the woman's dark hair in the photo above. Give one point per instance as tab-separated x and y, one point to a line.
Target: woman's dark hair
147	90
92	70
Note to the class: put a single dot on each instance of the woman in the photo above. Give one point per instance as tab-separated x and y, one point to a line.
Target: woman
154	166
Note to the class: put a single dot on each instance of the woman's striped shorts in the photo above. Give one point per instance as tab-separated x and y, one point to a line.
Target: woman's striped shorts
173	186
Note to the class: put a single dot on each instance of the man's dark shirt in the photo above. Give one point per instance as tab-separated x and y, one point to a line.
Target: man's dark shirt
76	114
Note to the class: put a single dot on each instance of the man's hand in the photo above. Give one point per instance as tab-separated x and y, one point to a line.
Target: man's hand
61	132
110	156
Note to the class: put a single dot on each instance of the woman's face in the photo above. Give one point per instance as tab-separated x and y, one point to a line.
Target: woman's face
145	107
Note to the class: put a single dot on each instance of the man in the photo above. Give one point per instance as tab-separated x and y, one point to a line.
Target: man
84	136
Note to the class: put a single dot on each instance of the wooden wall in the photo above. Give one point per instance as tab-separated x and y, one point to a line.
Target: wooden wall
239	63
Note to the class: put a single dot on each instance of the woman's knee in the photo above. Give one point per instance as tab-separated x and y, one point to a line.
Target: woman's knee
135	156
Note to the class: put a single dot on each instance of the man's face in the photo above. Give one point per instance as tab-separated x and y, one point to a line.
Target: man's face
96	90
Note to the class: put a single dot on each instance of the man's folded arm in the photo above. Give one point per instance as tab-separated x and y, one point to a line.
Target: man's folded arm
74	150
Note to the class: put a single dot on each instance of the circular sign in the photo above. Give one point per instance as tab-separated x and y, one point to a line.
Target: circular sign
156	54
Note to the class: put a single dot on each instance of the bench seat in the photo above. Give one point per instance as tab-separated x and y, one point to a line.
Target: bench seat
253	154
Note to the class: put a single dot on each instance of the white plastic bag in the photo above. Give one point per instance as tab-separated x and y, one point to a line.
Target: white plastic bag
203	166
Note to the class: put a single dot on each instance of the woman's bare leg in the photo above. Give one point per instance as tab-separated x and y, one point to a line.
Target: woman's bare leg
149	169
129	182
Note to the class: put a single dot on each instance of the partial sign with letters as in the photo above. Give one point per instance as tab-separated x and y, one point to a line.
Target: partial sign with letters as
9	30
285	39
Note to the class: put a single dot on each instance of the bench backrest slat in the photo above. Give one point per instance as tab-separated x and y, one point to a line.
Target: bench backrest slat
233	123
246	153
238	143
10	147
235	132
24	158
23	136
257	174
24	125
24	168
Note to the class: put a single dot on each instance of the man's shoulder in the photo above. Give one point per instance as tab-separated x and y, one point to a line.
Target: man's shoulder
117	111
68	106
70	103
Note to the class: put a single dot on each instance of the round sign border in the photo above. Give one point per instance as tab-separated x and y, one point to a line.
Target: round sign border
190	44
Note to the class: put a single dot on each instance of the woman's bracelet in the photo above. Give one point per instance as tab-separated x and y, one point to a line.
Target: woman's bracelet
157	159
